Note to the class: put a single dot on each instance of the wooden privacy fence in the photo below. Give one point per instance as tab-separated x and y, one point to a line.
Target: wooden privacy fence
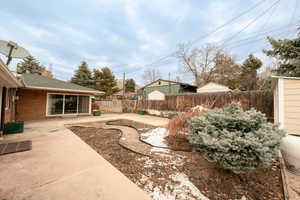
260	100
110	106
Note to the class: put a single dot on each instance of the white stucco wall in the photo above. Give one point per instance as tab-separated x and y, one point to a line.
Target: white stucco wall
156	95
213	87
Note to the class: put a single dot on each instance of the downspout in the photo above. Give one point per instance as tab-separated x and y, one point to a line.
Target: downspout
14	109
2	112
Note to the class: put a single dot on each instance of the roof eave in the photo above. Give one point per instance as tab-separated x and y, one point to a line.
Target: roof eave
285	77
63	90
9	77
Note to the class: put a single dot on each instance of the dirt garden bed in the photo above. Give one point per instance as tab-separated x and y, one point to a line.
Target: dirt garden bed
180	174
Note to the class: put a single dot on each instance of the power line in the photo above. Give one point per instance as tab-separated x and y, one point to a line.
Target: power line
212	32
229	22
260	34
294	12
251	22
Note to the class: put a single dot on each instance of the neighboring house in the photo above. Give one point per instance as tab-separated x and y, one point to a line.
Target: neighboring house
213	87
8	85
43	97
156	95
287	103
167	87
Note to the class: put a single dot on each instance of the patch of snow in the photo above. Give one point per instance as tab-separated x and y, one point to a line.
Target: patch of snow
159	150
180	189
177	186
186	187
156	137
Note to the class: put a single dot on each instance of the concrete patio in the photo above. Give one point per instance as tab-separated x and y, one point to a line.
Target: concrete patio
62	166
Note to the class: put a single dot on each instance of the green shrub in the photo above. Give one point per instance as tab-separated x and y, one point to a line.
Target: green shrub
96	112
141	112
237	140
171	115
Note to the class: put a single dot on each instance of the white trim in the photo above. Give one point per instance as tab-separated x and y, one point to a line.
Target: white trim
281	113
64	90
90	106
286	77
63	109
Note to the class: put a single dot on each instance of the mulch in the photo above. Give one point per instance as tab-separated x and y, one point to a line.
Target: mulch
213	181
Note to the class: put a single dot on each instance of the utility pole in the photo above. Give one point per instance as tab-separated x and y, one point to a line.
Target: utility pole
124	85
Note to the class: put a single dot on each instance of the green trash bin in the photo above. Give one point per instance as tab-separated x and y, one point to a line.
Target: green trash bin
13	127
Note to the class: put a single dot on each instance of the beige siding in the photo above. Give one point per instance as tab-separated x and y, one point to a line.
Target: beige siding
213	87
292	106
156	95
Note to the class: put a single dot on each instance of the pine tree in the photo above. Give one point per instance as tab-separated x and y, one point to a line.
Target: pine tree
249	73
105	81
83	76
288	53
130	85
30	65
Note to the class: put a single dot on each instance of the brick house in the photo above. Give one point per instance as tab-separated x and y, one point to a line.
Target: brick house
8	87
43	97
36	97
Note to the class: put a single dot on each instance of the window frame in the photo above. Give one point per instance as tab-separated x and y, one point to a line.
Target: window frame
63	111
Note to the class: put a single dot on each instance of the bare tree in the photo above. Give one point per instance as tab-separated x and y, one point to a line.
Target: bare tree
198	62
151	75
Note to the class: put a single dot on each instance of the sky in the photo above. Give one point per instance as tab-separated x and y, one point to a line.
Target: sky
133	35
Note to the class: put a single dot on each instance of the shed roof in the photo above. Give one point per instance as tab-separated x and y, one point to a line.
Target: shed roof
216	84
179	83
35	81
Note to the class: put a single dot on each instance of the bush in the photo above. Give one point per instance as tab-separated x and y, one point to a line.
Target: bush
178	125
141	112
171	115
96	112
237	140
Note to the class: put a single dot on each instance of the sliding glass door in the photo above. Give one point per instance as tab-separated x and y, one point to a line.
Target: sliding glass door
55	104
70	104
61	104
83	104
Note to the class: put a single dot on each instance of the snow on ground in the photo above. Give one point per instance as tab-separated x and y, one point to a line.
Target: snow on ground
174	185
156	137
178	188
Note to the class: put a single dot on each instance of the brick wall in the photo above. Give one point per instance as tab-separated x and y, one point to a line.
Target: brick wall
31	104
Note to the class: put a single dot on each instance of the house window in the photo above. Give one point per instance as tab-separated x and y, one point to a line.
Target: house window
63	104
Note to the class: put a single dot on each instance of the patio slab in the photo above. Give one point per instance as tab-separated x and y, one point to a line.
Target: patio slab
61	166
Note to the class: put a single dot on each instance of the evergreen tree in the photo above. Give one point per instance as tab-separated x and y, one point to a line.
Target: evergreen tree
105	81
226	71
288	53
30	65
83	76
130	85
249	73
